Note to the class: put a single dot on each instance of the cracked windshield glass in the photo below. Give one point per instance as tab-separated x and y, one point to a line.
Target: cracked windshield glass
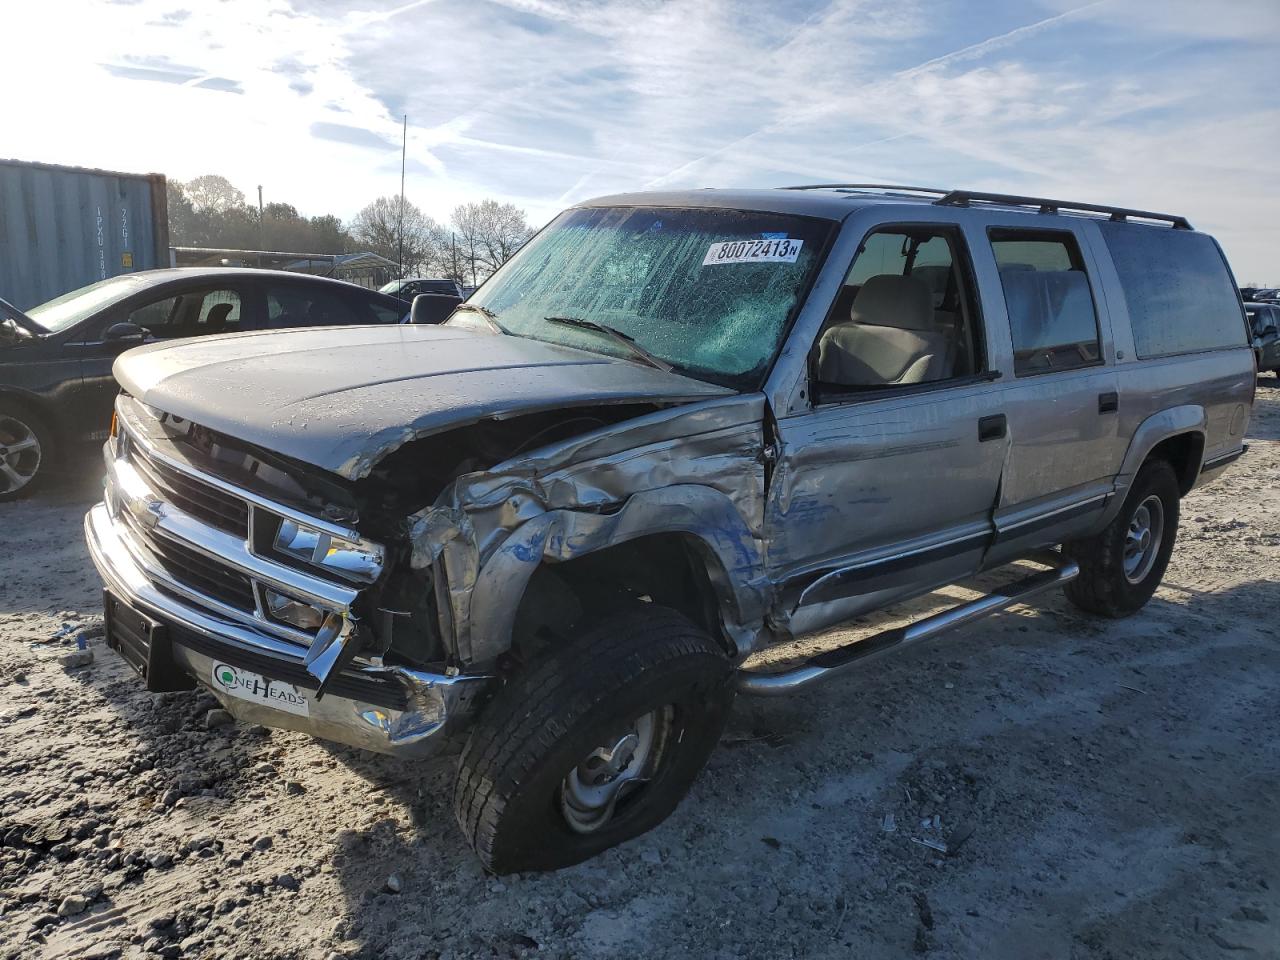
710	292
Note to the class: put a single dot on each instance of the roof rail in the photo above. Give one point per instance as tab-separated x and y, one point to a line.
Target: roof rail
963	198
865	186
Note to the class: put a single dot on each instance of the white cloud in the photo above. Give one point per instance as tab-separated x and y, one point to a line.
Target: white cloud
1159	103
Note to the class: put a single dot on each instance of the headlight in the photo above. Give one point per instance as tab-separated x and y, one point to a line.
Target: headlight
357	559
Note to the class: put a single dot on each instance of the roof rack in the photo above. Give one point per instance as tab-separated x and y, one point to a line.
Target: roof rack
865	186
963	198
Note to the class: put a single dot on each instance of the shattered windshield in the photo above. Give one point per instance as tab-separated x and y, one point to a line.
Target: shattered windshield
710	292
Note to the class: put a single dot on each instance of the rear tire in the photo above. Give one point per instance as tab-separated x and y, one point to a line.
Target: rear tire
595	744
1121	567
26	451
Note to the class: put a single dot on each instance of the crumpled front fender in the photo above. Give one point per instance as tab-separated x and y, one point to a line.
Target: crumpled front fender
695	470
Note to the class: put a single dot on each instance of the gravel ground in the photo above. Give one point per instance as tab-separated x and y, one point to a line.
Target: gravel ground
1103	790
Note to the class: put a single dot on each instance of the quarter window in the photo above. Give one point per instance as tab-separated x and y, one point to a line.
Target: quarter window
1179	292
1052	318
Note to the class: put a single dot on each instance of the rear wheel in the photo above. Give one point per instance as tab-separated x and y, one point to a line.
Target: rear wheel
26	451
1122	566
595	744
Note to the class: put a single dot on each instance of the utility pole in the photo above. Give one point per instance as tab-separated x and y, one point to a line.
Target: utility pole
261	228
404	147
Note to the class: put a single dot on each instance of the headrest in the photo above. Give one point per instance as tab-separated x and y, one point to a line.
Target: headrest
889	300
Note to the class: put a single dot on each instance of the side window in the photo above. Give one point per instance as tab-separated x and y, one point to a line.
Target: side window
904	316
1052	318
190	314
1180	295
298	306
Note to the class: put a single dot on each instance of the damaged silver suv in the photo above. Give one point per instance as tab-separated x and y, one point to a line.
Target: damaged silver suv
675	428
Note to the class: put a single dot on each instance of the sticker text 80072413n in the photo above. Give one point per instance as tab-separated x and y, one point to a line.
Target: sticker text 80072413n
781	250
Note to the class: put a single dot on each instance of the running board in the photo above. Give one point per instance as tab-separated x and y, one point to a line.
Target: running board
832	662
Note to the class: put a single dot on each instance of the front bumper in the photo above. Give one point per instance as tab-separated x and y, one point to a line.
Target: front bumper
387	709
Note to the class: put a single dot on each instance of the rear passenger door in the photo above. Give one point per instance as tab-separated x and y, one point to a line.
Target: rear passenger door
1062	398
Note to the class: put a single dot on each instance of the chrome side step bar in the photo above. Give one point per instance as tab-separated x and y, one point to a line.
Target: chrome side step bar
832	662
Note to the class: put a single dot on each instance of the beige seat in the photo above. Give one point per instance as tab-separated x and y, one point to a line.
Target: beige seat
892	337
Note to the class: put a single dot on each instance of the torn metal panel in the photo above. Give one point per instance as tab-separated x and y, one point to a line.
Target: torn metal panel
344	398
695	470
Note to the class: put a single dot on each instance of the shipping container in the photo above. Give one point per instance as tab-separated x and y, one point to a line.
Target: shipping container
62	228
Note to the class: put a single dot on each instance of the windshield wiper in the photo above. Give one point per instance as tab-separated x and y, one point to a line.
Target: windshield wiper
490	317
626	340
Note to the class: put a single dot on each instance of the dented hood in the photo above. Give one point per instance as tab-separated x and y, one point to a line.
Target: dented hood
341	398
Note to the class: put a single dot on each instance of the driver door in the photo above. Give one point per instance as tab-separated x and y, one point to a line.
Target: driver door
885	487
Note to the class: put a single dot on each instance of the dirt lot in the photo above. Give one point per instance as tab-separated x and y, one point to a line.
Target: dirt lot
1118	785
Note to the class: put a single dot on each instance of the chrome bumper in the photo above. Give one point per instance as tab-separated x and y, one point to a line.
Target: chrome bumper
435	703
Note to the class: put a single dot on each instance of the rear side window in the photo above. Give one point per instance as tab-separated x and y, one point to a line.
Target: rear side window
1180	295
298	306
1052	318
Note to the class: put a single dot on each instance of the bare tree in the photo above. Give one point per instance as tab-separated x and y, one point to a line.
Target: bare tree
378	227
213	193
489	234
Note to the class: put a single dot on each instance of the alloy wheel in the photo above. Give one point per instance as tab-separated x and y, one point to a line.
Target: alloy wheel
20	454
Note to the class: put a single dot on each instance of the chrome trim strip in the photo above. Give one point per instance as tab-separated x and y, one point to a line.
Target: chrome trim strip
1037	518
131	422
1223	459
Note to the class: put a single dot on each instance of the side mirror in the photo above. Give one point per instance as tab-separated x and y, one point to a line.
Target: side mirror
126	333
432	307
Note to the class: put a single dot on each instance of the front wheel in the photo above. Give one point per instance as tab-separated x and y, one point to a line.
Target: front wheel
1121	567
595	744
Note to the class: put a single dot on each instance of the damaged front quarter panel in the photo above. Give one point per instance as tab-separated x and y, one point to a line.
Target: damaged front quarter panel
694	470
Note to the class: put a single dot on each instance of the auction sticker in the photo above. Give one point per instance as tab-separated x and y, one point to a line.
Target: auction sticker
776	250
246	685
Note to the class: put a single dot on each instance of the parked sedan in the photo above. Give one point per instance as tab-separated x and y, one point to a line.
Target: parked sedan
1264	323
56	388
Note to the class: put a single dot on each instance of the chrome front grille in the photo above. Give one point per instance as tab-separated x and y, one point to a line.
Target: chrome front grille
200	573
208	503
193	534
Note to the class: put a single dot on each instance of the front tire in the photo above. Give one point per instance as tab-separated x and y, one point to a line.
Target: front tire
595	744
1121	567
26	451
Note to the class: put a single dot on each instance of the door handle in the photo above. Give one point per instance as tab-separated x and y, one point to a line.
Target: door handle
1108	402
993	427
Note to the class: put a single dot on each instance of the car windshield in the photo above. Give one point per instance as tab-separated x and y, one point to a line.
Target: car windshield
393	287
70	308
709	291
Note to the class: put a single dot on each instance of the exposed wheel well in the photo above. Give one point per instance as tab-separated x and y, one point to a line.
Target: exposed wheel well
1184	453
667	569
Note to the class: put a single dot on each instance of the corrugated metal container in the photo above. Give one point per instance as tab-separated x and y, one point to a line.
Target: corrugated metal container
64	227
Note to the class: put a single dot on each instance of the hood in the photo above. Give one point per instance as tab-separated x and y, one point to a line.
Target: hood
342	398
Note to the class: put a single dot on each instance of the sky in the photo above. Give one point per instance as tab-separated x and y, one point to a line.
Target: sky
1169	105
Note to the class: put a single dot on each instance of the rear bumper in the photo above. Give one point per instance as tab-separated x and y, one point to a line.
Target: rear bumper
387	709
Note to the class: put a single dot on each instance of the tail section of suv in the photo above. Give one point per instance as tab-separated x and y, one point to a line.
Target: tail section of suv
673	429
